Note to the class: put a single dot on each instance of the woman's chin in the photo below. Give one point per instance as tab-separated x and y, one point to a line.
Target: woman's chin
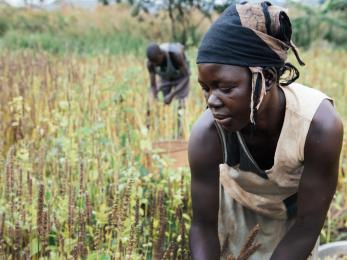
224	121
230	124
227	123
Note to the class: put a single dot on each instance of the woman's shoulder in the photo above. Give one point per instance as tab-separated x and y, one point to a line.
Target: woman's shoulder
204	142
326	121
308	111
324	138
306	92
303	100
304	89
204	130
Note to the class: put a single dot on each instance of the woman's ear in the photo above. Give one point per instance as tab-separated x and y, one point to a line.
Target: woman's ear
270	76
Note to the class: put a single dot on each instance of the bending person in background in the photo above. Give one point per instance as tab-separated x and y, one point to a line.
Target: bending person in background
266	151
168	61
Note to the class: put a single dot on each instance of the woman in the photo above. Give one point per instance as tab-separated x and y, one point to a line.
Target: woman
266	151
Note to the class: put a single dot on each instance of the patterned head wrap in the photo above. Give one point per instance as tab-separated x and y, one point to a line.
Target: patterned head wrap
253	36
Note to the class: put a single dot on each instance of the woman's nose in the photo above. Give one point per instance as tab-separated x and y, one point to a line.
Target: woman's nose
213	101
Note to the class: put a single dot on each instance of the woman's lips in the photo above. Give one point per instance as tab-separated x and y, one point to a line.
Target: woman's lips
223	120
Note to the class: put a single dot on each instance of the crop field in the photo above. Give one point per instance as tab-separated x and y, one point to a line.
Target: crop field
80	176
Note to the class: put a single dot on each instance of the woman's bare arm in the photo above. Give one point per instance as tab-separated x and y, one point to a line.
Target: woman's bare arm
205	155
317	185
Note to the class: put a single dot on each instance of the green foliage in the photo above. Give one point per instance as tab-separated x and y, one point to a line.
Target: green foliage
3	26
92	42
129	31
58	33
324	22
183	26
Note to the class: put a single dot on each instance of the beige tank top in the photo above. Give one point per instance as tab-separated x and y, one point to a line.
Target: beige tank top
267	192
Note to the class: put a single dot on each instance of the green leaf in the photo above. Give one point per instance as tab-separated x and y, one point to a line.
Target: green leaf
103	257
34	247
93	256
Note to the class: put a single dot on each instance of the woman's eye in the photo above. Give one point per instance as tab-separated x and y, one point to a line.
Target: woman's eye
226	90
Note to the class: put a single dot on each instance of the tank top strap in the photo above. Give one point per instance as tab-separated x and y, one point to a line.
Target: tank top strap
222	138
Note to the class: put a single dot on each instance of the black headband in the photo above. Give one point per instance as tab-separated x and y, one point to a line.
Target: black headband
232	40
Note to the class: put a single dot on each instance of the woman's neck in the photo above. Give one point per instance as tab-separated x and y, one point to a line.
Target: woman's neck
270	116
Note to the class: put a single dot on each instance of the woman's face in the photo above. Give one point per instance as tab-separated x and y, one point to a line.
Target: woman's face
227	91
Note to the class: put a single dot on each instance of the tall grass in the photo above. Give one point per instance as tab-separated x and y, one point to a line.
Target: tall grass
78	172
78	175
